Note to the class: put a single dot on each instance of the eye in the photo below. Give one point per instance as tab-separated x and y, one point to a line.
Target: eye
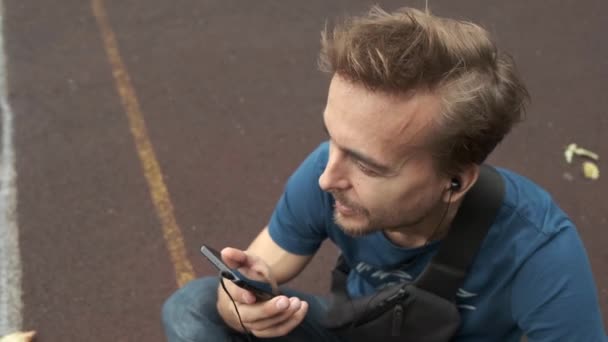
366	170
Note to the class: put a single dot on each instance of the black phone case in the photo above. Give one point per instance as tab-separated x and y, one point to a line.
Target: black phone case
261	290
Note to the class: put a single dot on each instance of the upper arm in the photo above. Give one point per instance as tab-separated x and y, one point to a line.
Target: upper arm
284	265
554	297
297	225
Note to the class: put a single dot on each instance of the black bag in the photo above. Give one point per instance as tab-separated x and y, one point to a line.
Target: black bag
423	310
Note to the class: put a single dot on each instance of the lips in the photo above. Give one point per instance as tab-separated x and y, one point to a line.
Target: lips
343	209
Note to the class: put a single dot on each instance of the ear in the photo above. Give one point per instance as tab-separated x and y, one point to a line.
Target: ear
466	178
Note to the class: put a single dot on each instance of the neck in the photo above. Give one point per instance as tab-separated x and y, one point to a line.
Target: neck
433	227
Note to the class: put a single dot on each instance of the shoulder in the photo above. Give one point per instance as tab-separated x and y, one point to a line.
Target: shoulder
306	177
318	158
299	220
528	205
312	166
529	220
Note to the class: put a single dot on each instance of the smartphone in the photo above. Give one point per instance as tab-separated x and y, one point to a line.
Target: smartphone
261	290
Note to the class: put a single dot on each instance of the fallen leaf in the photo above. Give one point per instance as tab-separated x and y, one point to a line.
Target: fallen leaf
590	170
579	151
573	149
569	153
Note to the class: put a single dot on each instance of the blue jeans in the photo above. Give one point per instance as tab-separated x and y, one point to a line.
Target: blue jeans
190	315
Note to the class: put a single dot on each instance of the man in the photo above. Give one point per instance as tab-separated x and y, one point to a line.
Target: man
415	105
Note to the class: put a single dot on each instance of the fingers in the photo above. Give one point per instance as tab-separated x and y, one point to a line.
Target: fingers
294	305
18	337
264	273
275	317
234	258
247	297
264	310
286	326
251	266
272	318
239	294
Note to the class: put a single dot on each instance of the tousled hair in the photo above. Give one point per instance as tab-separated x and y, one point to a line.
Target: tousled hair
408	50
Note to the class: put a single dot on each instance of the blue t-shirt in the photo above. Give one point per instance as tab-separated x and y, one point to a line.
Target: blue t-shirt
531	275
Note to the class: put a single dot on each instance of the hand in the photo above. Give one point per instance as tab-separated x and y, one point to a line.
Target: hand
18	337
272	318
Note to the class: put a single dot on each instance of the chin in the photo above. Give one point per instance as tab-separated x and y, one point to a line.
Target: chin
353	226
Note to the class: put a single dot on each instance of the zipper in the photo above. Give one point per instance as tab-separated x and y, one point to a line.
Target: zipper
397	320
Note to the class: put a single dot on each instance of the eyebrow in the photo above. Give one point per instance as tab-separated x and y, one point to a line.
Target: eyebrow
374	164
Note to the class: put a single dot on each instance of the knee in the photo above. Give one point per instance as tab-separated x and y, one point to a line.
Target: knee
190	307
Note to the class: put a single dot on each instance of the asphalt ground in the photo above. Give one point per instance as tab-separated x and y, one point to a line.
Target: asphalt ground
130	156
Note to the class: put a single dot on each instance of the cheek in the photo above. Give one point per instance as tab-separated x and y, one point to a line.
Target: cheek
373	195
421	198
399	197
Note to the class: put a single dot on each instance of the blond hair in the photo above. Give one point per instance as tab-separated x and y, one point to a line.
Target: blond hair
482	95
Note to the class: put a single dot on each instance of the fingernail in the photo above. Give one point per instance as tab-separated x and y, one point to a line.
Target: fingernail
295	303
282	303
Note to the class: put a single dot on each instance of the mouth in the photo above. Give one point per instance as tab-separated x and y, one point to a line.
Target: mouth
344	209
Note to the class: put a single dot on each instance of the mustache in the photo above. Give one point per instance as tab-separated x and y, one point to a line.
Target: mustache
340	197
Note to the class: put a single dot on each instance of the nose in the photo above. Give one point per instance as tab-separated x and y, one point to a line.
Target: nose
334	177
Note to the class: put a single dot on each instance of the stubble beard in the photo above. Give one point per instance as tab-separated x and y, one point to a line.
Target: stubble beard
354	229
364	222
355	225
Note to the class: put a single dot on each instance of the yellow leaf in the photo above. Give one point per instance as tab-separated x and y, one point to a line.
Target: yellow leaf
590	170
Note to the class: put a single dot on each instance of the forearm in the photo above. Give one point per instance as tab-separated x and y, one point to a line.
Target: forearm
284	266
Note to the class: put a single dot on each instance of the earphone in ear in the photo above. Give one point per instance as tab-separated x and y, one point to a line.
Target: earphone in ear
455	184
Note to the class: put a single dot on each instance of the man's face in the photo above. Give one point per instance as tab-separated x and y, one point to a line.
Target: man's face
380	172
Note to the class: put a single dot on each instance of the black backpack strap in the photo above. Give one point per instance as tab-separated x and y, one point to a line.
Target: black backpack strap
339	276
446	271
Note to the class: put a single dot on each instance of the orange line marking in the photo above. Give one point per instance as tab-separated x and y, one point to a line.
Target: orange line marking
158	190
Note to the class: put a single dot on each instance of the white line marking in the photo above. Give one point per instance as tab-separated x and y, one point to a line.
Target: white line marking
10	257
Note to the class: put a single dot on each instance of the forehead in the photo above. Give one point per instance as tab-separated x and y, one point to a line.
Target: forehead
382	124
